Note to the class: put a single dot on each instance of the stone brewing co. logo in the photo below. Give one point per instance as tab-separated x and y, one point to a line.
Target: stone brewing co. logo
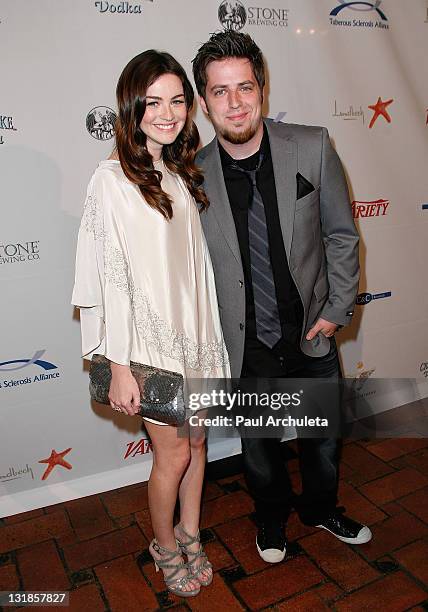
369	208
16	252
6	123
233	15
374	17
100	122
49	370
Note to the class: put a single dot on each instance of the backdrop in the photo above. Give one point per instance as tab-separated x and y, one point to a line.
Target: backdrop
356	67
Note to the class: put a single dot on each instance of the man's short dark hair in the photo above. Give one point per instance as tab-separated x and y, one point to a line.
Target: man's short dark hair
222	45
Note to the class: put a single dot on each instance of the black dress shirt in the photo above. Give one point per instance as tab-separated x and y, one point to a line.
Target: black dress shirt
259	360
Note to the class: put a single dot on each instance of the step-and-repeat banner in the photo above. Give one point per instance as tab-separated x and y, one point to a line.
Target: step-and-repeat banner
358	68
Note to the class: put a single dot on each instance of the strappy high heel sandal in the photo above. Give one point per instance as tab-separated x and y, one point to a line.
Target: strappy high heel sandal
173	584
194	568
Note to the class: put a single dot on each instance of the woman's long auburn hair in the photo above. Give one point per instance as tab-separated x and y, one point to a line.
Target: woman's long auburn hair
137	163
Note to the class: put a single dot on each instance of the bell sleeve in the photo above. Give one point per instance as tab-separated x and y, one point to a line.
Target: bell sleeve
102	287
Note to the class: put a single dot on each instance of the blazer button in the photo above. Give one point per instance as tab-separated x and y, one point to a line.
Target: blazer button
241	283
241	326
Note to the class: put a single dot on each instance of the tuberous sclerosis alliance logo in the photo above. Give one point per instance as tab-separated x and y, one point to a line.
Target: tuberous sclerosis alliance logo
49	370
366	298
361	7
233	15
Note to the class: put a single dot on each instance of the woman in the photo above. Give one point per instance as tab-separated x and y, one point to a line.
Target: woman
145	288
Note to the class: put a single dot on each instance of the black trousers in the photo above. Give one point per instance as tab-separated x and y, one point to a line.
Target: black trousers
264	465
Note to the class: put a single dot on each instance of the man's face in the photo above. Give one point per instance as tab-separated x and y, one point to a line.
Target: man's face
233	99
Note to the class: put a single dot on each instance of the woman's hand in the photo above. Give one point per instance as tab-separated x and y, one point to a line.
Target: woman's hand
124	394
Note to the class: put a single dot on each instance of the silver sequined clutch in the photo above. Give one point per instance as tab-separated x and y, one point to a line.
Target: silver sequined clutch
161	391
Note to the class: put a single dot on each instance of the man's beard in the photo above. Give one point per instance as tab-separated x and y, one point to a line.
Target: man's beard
238	138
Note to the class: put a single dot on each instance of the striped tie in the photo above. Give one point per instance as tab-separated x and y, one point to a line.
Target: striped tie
266	308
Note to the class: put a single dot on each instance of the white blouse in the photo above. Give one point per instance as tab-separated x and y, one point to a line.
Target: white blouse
145	285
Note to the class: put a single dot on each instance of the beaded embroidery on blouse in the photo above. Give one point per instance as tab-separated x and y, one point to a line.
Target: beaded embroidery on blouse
155	331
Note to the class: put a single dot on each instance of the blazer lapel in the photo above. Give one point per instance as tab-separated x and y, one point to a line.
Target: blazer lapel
284	161
215	189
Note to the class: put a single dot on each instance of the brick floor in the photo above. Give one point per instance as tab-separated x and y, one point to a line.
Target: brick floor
92	546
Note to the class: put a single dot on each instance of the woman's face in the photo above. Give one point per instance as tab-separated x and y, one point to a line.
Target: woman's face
165	114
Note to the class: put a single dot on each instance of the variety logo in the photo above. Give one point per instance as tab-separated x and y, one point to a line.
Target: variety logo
340	16
366	298
17	252
139	447
379	109
49	370
119	7
371	208
100	122
15	473
6	123
233	15
424	369
350	114
55	459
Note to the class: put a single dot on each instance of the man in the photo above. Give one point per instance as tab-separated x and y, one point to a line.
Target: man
285	255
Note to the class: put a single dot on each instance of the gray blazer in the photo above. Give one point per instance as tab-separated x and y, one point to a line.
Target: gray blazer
319	234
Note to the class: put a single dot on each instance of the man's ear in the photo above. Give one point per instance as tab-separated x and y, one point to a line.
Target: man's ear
203	105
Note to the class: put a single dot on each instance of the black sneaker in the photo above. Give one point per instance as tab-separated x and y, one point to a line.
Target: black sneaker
271	541
346	529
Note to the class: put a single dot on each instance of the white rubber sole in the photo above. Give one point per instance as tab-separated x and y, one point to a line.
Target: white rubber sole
271	555
364	536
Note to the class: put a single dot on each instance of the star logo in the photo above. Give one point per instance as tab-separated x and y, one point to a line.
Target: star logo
380	109
55	459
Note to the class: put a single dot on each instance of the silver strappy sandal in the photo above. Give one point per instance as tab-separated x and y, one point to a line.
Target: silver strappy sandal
173	584
194	569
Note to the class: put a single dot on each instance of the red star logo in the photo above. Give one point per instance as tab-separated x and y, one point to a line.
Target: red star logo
380	109
55	459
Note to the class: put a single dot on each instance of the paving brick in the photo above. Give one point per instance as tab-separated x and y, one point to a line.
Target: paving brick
396	447
392	534
41	568
392	508
86	599
125	586
338	560
309	601
366	467
9	580
329	592
91	552
218	555
278	582
126	500
145	524
35	530
357	506
23	516
393	593
211	490
414	558
419	461
394	486
214	598
89	517
296	529
240	538
226	508
417	503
